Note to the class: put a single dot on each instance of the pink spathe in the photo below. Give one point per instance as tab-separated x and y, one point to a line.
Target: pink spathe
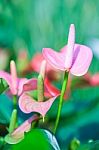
17	85
18	134
28	104
74	58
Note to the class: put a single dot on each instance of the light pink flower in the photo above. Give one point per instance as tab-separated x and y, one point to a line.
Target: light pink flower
18	134
17	85
74	58
28	104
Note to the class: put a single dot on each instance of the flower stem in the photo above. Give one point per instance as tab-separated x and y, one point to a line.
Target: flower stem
64	85
14	101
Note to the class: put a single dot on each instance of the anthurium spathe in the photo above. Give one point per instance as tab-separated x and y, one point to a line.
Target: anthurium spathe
28	104
17	85
74	58
18	134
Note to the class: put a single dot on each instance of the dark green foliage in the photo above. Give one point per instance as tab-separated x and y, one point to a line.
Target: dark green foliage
37	139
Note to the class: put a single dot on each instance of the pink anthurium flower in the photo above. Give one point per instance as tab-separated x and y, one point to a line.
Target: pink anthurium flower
17	85
18	134
74	58
28	104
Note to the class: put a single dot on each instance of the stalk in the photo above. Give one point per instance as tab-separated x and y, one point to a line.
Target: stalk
64	85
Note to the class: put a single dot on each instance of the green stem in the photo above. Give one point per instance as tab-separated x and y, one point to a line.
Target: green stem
64	85
14	101
35	122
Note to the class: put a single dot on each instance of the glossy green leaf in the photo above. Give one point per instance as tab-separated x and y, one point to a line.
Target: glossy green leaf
37	139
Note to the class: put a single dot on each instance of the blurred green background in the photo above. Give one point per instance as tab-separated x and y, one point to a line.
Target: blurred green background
31	25
34	24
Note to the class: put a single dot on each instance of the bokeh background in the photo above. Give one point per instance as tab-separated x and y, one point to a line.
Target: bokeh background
29	25
35	24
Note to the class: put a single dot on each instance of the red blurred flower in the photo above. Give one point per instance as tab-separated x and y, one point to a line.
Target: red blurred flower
35	64
93	80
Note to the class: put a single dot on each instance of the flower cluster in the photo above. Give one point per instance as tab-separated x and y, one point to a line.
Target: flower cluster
72	58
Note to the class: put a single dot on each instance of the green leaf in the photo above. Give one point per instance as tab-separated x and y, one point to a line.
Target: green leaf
1	142
6	147
38	139
3	118
5	109
82	97
3	85
6	104
88	93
